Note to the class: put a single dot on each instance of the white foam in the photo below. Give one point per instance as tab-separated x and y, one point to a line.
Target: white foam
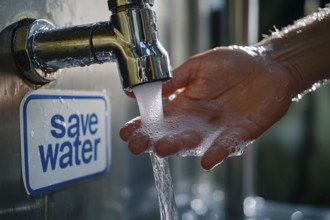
149	99
156	127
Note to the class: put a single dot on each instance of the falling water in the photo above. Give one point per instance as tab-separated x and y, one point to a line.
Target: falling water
155	126
150	104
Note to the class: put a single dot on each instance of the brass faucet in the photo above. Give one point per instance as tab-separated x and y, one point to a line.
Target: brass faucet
130	38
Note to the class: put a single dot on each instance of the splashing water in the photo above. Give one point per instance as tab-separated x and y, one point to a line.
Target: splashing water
181	122
151	111
155	126
314	87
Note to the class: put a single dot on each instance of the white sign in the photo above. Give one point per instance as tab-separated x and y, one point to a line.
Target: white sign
64	138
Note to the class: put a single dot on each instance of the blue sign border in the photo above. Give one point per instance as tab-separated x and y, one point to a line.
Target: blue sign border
25	172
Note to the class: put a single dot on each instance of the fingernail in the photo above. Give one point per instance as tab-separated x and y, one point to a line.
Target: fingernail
213	158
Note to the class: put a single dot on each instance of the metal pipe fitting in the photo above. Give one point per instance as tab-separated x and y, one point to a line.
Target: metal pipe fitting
130	38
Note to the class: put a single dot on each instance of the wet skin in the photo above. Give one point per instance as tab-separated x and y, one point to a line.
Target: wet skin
242	102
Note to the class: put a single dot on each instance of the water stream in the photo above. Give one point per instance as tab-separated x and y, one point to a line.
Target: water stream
151	110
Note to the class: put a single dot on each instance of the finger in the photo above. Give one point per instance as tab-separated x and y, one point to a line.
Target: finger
181	77
224	146
173	144
190	139
129	128
138	143
166	146
213	157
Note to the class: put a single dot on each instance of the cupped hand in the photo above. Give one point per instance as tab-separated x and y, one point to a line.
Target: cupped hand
235	90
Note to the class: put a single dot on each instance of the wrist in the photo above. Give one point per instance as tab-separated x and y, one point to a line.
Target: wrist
302	51
280	63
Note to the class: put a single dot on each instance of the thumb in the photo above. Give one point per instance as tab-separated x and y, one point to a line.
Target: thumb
182	76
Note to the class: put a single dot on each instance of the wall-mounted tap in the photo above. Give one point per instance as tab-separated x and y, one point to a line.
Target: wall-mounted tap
130	38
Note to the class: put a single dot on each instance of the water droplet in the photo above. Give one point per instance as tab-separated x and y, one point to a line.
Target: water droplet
297	216
61	100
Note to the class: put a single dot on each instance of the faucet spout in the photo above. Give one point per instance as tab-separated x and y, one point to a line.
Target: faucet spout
141	57
130	38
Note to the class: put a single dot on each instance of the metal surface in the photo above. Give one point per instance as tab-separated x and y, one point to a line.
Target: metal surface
106	197
14	204
23	50
130	38
118	3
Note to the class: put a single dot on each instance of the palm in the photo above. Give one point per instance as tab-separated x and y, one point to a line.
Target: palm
227	89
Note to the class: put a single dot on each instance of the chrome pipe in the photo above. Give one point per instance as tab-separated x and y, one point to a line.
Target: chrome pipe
130	38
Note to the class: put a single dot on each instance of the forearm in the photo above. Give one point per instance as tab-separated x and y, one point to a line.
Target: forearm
303	49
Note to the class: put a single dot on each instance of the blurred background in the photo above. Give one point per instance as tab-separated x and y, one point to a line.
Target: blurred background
283	175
